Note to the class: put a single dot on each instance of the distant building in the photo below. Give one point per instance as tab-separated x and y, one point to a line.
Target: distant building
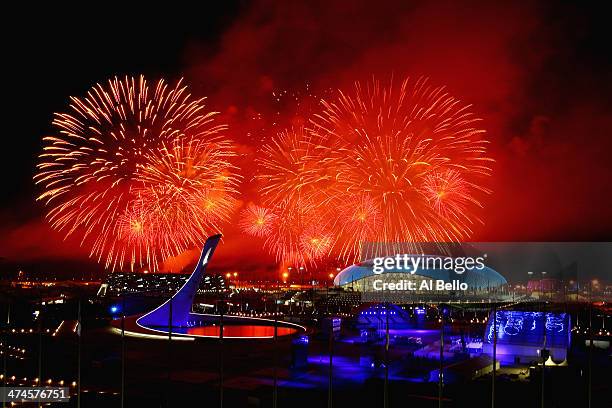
155	283
548	285
464	371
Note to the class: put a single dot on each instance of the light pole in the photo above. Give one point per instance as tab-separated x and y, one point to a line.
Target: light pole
440	374
275	387
590	340
494	355
544	354
169	351
5	351
122	349
330	378
221	352
79	349
386	385
40	342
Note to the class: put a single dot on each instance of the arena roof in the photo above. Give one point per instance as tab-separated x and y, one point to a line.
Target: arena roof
475	278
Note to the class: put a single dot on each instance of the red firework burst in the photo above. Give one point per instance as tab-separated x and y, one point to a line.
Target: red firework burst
257	221
400	137
394	162
139	172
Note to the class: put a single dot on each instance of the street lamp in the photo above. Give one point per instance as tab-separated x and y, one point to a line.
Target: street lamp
543	352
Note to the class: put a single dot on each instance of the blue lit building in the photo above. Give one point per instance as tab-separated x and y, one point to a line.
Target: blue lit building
377	316
485	283
522	335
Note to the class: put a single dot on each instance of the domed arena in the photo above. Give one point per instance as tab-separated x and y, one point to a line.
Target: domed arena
426	283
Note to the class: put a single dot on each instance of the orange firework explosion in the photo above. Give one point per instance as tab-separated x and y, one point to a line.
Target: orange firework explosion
139	172
298	177
295	166
394	140
257	221
384	163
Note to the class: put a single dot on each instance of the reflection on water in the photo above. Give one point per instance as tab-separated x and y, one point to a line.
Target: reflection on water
239	331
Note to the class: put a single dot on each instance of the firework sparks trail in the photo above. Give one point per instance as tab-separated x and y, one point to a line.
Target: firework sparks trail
357	222
400	139
287	239
295	167
139	172
385	162
315	242
298	179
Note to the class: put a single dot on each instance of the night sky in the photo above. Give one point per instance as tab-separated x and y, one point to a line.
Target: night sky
539	75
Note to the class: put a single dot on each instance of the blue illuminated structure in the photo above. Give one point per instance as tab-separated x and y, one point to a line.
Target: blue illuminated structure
176	310
174	319
475	278
522	334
